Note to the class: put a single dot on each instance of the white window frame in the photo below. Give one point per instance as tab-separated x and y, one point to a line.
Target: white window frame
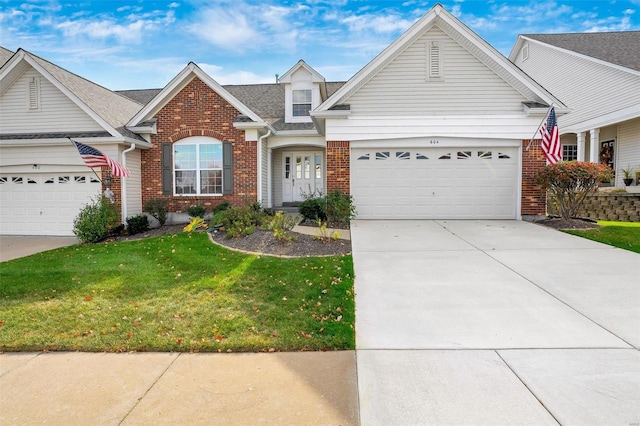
575	150
309	94
198	141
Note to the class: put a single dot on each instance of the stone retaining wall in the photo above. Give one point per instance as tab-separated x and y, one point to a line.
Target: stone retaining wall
617	206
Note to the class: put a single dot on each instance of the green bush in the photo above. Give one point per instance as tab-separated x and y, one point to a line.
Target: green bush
95	220
569	183
339	208
281	224
313	208
239	221
196	211
137	224
157	208
221	207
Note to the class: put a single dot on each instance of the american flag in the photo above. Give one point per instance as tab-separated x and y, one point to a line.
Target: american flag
94	158
551	146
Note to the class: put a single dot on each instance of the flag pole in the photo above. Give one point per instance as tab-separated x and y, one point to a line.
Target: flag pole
539	125
94	172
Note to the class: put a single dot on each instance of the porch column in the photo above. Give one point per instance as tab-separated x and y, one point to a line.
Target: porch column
595	145
269	189
581	145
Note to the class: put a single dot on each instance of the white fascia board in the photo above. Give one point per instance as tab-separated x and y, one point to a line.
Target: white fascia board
516	127
516	48
297	133
619	116
252	125
338	113
286	77
23	55
93	141
177	83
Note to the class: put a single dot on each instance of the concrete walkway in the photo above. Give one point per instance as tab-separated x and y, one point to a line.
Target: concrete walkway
15	246
494	322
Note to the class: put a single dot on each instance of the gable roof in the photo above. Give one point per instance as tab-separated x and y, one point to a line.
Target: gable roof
483	51
107	108
619	48
185	76
5	55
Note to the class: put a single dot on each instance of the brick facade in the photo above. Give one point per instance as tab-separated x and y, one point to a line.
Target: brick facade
197	110
338	166
533	198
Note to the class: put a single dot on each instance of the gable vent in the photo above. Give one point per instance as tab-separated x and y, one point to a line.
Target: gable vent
34	94
434	56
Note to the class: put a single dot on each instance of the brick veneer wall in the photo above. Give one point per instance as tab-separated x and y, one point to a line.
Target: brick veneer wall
338	166
616	206
115	187
197	110
533	198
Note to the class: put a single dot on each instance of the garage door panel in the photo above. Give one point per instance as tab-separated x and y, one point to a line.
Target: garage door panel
451	183
44	204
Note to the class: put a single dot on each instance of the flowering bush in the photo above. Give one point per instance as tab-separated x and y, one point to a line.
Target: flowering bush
569	183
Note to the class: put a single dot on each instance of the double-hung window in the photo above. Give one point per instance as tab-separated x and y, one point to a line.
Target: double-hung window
301	102
197	165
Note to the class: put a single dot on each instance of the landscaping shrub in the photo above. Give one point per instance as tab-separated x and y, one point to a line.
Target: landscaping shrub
238	221
281	224
137	224
570	182
157	208
196	211
221	207
339	208
95	220
313	208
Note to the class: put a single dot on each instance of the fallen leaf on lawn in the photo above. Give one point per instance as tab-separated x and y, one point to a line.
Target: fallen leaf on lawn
305	335
218	338
178	341
339	318
284	298
88	298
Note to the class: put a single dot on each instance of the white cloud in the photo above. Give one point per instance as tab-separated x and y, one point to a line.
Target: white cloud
235	77
227	28
378	23
612	23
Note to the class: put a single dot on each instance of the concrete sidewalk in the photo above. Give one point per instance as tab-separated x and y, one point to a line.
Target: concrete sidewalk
15	246
303	388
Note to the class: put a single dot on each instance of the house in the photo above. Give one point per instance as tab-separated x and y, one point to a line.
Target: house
437	126
597	75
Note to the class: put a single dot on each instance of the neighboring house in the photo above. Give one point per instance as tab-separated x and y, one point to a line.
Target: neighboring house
435	127
597	75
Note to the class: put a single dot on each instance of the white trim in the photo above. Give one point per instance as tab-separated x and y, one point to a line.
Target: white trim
443	142
615	117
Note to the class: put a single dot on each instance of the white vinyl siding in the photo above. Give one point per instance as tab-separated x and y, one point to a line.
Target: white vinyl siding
276	173
55	113
468	86
52	158
578	82
628	146
134	183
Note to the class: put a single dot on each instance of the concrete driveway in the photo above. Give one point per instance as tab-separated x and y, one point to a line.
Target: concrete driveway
494	322
15	246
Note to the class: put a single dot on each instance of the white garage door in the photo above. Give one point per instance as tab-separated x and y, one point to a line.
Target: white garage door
435	183
44	204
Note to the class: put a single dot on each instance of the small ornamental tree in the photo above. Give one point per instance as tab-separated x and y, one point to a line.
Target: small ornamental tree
569	183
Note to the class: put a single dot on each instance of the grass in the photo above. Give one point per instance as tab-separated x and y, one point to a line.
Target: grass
174	293
624	235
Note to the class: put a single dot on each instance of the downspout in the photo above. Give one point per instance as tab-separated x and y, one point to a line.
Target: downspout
123	184
260	139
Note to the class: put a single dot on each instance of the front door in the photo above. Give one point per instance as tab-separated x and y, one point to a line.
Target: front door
302	175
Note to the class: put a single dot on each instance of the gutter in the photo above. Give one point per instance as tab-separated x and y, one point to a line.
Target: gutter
260	139
123	184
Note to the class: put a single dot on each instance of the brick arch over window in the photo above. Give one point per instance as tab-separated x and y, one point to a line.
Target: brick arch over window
187	133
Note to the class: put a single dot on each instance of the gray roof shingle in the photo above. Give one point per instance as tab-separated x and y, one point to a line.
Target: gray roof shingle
5	55
620	48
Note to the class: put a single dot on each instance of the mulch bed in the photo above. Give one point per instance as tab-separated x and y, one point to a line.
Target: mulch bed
261	241
559	223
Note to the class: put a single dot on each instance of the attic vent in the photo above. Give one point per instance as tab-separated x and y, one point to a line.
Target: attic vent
434	55
33	93
525	52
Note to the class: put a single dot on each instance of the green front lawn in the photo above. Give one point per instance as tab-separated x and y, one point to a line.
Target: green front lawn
625	235
174	293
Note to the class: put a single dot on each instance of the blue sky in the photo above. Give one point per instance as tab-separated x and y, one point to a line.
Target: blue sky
143	44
